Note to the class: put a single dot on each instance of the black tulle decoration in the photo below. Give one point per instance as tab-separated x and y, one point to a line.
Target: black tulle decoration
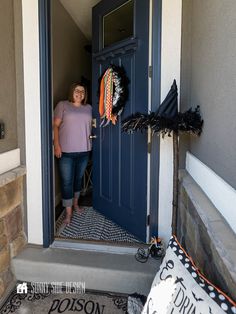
166	119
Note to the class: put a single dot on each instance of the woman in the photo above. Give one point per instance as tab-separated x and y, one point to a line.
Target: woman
72	128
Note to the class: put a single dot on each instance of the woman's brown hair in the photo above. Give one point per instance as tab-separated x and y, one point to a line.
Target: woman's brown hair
72	89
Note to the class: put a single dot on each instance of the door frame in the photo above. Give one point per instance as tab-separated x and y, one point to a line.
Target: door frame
155	102
44	7
44	11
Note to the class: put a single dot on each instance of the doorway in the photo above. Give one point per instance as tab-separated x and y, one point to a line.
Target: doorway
108	133
71	63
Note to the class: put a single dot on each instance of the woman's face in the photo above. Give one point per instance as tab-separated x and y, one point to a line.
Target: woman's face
79	94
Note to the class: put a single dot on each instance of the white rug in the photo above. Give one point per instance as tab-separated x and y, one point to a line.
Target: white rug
91	225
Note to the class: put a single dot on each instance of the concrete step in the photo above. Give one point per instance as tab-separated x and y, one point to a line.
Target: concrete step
99	270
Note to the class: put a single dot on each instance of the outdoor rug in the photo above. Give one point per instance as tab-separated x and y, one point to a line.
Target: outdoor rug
91	225
51	300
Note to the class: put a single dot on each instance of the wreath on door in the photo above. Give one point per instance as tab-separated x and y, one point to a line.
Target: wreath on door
113	94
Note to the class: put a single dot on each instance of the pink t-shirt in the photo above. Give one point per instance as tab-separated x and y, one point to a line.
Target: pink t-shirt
75	128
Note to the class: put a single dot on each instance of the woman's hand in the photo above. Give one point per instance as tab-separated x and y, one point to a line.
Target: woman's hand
57	146
57	151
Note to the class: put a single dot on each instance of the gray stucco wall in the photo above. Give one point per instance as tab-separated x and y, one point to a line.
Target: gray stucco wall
208	79
19	76
8	109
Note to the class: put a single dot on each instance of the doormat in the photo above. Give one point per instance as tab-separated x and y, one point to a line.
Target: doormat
27	298
91	225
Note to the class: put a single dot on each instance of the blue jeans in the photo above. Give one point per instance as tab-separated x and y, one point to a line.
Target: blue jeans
72	167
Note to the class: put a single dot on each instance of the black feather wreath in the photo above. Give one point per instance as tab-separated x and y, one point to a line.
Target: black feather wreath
120	90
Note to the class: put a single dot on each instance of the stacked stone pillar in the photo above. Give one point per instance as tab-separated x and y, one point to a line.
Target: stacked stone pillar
12	235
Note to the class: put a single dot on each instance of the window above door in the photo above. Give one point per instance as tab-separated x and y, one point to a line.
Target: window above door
118	24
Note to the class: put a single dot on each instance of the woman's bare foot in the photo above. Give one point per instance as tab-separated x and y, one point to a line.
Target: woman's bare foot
67	220
76	206
78	209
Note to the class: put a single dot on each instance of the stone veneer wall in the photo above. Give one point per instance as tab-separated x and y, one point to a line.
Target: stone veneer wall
12	235
206	236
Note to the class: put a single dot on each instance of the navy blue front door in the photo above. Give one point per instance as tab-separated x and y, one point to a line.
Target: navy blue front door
119	159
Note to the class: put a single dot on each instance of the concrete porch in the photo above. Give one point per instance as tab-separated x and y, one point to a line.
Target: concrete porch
102	271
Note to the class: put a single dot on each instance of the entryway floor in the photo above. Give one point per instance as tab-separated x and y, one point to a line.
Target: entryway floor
92	225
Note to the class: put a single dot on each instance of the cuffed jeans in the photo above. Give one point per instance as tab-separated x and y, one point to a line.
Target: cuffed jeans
72	167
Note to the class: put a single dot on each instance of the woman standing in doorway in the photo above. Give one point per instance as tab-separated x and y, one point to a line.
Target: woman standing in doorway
72	128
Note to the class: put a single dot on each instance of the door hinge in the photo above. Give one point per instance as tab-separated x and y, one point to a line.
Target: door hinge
94	123
149	148
150	71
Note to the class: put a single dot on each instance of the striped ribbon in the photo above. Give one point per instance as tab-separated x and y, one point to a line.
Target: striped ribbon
106	98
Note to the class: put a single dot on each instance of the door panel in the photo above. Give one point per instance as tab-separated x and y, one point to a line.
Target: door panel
119	159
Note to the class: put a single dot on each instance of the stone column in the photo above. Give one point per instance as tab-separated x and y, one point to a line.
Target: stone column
12	235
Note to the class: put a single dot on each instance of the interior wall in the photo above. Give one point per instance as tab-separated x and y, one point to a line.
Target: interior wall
8	109
208	79
70	61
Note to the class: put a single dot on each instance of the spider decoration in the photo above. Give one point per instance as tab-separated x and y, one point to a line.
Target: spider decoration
156	250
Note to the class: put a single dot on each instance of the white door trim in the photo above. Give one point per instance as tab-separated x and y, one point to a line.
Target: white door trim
170	70
32	119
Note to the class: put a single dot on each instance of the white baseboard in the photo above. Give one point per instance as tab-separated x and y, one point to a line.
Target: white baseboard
221	194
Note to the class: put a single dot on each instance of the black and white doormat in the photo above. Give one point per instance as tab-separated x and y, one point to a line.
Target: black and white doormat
28	300
91	225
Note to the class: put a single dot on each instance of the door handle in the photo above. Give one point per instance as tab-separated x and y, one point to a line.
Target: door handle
92	137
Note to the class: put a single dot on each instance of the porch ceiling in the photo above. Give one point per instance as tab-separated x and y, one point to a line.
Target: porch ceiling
81	13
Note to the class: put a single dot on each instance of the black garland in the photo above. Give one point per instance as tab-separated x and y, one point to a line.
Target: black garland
189	121
120	90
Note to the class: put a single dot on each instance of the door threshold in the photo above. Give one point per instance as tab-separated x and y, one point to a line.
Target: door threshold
98	246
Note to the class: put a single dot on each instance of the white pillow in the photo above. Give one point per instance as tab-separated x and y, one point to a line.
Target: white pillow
179	287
